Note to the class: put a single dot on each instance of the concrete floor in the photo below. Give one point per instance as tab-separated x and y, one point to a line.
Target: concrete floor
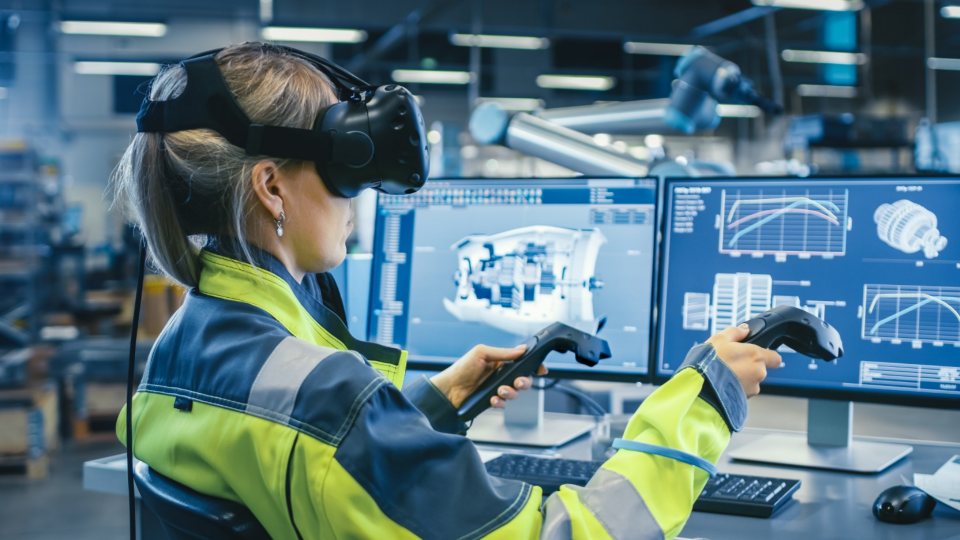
57	507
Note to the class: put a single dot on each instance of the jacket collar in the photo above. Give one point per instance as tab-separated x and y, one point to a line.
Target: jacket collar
298	307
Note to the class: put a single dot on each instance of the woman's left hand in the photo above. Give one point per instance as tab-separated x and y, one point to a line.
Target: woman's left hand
458	381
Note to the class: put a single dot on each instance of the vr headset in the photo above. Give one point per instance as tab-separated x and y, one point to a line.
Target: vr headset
373	138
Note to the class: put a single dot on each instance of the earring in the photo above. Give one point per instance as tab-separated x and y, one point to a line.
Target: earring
280	224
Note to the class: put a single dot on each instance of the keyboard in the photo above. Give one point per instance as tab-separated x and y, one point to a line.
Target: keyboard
733	494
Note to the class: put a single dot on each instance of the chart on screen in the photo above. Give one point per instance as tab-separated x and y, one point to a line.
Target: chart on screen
783	222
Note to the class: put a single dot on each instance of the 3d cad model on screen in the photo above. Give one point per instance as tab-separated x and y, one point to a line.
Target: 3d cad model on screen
909	227
523	279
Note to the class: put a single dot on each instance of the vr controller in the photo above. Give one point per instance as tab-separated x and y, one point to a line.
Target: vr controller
797	329
589	350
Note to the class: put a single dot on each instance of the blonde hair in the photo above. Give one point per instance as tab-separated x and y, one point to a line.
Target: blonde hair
182	187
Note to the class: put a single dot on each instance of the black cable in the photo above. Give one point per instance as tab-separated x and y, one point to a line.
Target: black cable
584	399
130	370
547	386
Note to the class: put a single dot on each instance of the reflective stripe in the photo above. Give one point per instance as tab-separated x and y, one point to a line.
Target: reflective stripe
671	453
276	386
617	504
556	520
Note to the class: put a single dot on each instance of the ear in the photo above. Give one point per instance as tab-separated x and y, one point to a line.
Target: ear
266	185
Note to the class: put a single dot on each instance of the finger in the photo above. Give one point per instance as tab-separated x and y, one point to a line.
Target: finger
543	370
507	393
772	359
523	382
496	354
497	403
730	334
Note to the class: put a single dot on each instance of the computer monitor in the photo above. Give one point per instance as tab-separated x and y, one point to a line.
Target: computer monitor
878	258
494	261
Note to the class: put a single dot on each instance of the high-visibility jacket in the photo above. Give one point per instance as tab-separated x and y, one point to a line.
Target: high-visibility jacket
256	392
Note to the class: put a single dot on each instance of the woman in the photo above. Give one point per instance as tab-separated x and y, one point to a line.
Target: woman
256	392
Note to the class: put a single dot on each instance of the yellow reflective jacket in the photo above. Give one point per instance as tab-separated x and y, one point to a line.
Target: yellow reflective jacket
256	392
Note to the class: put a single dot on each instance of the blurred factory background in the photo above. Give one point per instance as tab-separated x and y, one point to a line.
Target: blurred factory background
865	86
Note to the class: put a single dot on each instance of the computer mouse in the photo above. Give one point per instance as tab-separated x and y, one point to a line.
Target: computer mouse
903	504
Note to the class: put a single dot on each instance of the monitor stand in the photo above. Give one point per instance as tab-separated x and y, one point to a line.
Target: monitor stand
524	423
829	444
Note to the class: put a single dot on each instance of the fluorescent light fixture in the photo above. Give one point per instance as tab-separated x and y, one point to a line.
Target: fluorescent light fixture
663	49
147	69
318	35
950	12
576	82
603	139
514	104
951	64
103	28
431	76
653	140
827	90
499	42
823	5
823	57
738	111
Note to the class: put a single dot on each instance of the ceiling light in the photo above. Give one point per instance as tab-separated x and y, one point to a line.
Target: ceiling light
103	28
431	76
827	90
576	82
738	111
664	49
514	104
823	5
147	69
499	42
824	57
951	64
603	139
319	35
950	12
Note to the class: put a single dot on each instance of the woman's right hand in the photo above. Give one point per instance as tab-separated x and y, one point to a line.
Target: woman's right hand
749	362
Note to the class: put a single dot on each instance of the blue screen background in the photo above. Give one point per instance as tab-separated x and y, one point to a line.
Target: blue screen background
840	266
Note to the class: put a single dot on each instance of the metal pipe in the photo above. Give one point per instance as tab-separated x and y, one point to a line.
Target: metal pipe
627	118
490	124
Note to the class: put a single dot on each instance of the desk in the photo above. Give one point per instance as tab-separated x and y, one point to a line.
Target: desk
828	505
831	504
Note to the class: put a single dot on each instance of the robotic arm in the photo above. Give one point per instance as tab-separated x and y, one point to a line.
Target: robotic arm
556	135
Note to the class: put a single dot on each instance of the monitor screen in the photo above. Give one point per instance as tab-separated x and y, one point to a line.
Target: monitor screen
467	262
877	258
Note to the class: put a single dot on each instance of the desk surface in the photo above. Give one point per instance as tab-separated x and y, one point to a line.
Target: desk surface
831	504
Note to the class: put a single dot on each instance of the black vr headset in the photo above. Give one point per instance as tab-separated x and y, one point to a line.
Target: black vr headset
373	138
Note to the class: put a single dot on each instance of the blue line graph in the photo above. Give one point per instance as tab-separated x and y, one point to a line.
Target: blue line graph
919	314
779	222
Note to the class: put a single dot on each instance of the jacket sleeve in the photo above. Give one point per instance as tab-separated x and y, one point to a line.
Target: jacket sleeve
434	405
394	475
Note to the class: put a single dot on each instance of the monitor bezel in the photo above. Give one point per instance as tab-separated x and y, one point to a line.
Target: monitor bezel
556	373
862	396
